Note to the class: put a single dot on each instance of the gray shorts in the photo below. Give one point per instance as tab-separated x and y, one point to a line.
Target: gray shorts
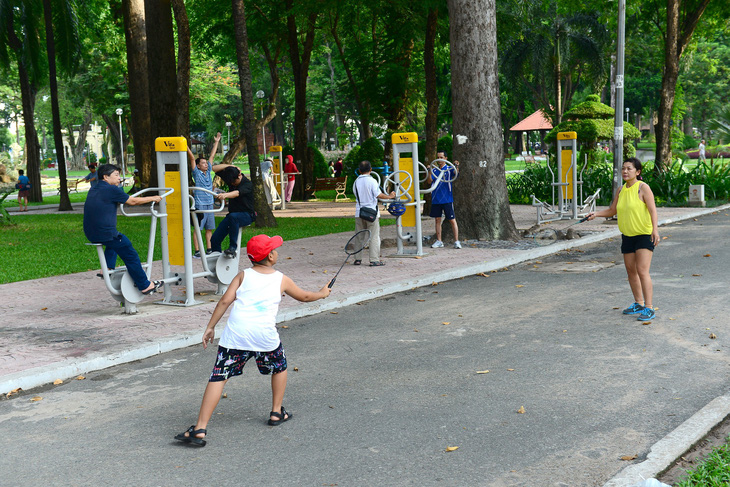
207	220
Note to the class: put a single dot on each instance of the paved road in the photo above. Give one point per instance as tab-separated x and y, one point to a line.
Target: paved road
383	388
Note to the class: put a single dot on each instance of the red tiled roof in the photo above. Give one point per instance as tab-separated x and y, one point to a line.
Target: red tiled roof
536	121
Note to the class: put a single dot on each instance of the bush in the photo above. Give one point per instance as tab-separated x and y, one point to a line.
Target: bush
350	164
320	165
446	144
689	142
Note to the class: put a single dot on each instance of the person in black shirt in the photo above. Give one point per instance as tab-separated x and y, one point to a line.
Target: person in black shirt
240	209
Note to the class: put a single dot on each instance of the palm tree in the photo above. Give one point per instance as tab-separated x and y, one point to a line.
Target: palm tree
721	126
553	53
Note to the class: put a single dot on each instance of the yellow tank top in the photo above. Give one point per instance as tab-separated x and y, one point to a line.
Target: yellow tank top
633	215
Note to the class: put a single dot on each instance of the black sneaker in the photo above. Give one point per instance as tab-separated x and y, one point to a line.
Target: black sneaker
196	254
230	253
208	251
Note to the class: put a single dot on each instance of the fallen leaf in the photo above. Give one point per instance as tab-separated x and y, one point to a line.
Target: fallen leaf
628	458
415	330
57	381
81	377
510	370
452	448
333	312
203	294
36	399
664	238
646	322
324	271
434	283
696	275
225	395
482	371
311	253
296	369
565	331
43	309
285	326
288	258
212	300
672	319
707	255
519	285
421	300
538	262
483	274
616	307
445	322
712	336
521	410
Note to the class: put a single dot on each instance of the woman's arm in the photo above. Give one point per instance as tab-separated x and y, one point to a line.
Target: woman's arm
647	197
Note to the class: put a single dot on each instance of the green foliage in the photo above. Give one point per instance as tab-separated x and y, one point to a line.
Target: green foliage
712	472
689	142
721	125
320	165
350	164
446	144
672	186
591	108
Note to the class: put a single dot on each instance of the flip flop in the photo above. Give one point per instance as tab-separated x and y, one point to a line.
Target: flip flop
281	417
357	262
157	285
377	263
192	438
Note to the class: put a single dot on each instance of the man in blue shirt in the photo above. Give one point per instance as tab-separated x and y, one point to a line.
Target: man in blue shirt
200	169
92	177
100	225
442	199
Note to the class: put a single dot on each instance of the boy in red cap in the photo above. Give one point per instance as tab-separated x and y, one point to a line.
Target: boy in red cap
251	332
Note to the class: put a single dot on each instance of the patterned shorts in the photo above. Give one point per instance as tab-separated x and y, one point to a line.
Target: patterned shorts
230	362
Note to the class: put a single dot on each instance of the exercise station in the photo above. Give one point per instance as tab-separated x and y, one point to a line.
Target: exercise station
176	209
406	179
568	185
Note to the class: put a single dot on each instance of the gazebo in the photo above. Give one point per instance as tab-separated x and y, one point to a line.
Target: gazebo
537	122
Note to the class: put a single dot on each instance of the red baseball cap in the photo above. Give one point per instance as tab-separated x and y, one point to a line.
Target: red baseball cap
260	246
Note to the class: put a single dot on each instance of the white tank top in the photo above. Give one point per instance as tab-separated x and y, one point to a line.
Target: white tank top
252	322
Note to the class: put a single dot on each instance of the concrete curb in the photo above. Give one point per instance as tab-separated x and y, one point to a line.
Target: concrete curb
664	452
70	368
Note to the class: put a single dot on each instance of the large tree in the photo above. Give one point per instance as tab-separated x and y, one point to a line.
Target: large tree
480	193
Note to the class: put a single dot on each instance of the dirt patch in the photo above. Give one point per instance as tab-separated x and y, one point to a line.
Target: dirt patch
689	461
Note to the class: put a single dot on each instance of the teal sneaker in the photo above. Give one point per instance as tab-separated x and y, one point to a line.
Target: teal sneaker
646	314
633	309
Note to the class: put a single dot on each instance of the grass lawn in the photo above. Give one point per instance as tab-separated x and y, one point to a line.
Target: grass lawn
49	245
714	471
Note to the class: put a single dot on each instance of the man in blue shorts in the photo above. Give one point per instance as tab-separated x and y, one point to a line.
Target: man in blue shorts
442	199
201	169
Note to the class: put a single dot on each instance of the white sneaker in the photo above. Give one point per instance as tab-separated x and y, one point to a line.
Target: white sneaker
437	244
457	245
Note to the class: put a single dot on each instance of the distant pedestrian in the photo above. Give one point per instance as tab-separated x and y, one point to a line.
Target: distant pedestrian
367	194
136	183
442	198
250	333
91	178
637	220
290	172
331	169
23	186
702	151
202	170
338	167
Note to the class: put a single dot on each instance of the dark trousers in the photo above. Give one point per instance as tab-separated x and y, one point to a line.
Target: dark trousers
230	226
122	247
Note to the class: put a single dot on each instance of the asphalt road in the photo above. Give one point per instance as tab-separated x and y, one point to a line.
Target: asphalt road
380	390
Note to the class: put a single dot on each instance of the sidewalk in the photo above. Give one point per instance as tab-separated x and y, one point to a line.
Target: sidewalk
63	326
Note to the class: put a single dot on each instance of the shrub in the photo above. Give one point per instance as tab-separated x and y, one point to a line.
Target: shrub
320	165
350	164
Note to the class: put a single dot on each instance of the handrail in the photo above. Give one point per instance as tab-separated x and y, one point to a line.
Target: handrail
214	210
152	206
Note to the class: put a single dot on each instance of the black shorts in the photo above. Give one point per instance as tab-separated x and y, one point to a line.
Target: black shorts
630	245
230	362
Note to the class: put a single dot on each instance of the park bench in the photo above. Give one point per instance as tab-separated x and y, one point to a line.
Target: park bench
73	185
338	184
529	158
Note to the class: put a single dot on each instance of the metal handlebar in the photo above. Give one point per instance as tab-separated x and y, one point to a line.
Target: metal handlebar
152	206
214	210
434	165
401	187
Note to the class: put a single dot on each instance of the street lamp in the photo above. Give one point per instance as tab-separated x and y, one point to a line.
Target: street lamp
627	114
260	94
228	124
121	139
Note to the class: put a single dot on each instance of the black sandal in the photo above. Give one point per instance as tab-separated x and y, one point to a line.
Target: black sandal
156	285
192	438
357	262
281	417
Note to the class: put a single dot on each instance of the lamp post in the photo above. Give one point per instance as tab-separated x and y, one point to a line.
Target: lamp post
260	95
121	139
627	114
228	124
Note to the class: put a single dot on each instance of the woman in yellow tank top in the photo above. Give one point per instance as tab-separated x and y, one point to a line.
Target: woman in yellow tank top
637	220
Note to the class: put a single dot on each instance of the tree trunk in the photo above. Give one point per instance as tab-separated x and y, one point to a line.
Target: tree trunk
139	94
480	192
676	39
265	217
28	92
300	66
183	68
65	203
432	99
162	75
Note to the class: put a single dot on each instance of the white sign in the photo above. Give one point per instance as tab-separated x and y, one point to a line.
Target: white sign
618	133
619	81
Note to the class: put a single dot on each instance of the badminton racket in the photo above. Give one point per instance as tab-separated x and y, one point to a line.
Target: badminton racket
352	247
